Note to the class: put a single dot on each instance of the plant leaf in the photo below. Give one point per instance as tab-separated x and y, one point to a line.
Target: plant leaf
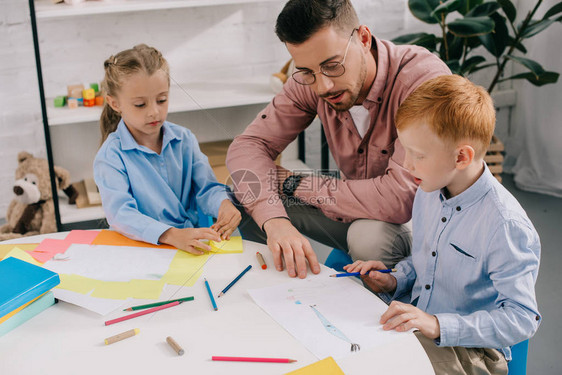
554	10
496	41
422	9
454	65
471	63
446	8
420	39
519	45
468	5
508	9
471	26
480	67
543	79
483	9
455	46
532	65
536	27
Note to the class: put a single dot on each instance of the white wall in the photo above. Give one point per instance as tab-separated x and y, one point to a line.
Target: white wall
215	41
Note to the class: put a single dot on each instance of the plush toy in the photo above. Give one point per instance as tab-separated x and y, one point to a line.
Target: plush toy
32	210
277	80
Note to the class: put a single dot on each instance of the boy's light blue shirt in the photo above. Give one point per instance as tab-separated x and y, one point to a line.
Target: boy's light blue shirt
144	194
474	263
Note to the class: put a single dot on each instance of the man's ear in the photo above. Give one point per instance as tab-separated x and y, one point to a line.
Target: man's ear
365	36
113	103
465	156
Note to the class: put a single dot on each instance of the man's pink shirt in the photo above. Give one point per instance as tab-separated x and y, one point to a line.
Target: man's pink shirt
374	184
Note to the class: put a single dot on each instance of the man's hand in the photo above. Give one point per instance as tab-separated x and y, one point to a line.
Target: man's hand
228	220
403	317
286	242
188	239
376	281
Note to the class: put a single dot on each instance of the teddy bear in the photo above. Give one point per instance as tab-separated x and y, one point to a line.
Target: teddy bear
32	210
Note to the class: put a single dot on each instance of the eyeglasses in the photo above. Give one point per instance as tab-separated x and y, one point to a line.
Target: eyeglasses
329	69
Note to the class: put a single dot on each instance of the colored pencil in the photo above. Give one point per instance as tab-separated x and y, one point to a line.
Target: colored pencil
346	274
235	280
140	313
121	336
261	260
211	295
253	359
149	305
177	348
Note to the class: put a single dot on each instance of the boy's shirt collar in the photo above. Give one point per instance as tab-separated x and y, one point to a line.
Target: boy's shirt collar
129	143
471	195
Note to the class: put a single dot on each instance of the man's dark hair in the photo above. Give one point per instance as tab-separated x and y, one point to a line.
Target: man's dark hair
300	19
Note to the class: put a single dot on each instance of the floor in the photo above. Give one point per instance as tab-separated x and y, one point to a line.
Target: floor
546	214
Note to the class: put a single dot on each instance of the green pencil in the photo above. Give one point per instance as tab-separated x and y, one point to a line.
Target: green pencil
140	307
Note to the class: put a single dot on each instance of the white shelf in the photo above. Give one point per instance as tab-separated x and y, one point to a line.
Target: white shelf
192	96
46	9
69	213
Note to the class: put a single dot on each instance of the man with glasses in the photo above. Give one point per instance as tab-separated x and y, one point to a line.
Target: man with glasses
354	83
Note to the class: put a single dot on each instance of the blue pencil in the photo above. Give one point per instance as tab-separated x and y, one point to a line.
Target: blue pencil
346	274
234	281
211	295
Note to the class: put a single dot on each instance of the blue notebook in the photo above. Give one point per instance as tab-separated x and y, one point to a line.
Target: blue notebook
27	312
21	282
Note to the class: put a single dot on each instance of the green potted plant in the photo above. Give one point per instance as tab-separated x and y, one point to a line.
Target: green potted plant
490	24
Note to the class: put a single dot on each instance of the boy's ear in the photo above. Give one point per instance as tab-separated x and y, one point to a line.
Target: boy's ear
465	156
113	103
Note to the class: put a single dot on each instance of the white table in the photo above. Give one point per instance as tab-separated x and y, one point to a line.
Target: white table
66	339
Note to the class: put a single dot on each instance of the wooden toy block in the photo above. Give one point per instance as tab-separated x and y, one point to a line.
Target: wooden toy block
88	93
89	102
74	91
72	103
99	100
60	101
80	102
95	86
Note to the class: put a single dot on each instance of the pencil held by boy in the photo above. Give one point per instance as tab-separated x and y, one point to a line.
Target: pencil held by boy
470	280
151	174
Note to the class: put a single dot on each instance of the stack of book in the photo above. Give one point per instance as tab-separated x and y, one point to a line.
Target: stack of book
25	291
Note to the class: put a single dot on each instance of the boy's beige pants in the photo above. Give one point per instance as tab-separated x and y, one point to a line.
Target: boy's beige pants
461	360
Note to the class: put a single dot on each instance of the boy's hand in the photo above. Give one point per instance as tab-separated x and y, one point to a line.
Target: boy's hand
228	220
403	317
188	239
376	281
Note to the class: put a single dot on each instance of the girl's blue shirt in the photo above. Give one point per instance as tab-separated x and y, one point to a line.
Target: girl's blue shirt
145	193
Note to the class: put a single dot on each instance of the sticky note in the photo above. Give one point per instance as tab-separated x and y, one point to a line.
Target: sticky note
327	366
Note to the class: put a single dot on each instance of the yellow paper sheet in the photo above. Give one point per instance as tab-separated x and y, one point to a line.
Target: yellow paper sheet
327	366
234	245
185	269
20	254
140	289
5	249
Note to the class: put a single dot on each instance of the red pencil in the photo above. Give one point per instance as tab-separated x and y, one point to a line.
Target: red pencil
131	316
253	359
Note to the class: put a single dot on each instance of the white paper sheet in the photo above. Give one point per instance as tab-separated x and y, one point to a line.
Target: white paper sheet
348	306
101	306
113	263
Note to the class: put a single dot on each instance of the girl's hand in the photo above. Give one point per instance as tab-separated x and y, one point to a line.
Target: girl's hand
228	220
376	281
403	317
188	239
